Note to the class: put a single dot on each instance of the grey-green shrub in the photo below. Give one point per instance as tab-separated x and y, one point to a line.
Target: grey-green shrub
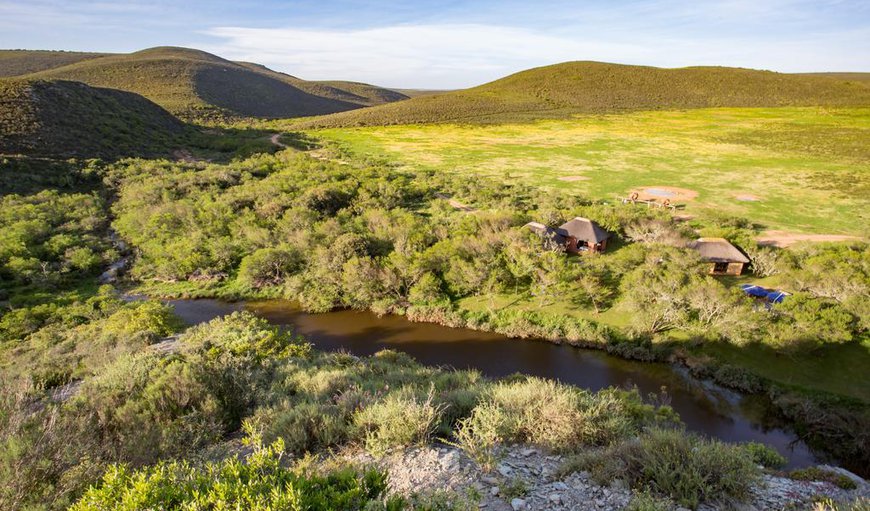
401	419
683	466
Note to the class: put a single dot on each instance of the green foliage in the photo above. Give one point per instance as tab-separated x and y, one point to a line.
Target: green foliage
70	119
687	468
820	474
48	238
647	501
480	434
259	483
765	455
401	419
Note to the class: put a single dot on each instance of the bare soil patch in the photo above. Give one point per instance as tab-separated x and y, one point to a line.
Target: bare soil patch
276	140
573	178
747	198
784	239
662	193
455	204
184	155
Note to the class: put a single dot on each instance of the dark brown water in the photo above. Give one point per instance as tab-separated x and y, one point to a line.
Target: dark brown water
704	407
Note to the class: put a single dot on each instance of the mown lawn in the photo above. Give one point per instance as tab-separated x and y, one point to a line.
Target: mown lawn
809	168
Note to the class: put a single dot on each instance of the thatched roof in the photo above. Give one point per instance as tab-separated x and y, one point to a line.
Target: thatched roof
718	250
545	231
583	229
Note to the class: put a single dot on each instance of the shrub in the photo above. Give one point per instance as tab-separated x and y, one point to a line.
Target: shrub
269	266
399	420
259	483
304	427
765	455
685	467
480	435
560	417
820	474
647	501
859	504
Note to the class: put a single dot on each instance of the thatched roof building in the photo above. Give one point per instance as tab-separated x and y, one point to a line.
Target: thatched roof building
583	229
577	235
724	258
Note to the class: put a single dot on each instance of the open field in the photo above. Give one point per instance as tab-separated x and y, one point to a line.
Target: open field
801	169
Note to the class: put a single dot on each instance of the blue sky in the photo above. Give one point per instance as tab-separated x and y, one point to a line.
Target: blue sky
455	43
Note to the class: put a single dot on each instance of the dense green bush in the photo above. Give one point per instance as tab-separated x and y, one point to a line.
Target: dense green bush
259	483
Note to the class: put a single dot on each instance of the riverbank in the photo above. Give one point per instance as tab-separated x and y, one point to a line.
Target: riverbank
829	424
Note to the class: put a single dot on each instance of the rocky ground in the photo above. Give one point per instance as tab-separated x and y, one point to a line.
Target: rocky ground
526	480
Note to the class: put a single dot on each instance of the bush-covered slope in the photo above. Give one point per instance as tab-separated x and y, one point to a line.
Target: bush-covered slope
360	94
69	119
22	62
593	87
197	85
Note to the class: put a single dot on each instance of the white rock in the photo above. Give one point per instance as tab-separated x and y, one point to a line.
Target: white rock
559	485
555	498
494	491
518	504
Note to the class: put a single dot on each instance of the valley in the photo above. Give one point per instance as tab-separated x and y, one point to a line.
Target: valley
297	242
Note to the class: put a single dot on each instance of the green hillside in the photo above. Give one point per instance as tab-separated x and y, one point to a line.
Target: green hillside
359	94
70	119
22	62
196	85
852	77
561	90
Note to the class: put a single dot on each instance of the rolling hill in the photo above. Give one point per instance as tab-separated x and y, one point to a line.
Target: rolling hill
62	119
853	77
571	88
22	62
196	85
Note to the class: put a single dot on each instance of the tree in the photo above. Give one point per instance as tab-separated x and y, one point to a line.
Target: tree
807	321
592	287
269	266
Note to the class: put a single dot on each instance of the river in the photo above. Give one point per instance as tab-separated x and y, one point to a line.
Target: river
703	406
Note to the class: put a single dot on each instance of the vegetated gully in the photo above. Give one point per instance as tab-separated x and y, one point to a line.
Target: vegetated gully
703	406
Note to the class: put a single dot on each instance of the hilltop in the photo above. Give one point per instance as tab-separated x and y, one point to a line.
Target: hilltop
22	62
562	90
61	119
197	85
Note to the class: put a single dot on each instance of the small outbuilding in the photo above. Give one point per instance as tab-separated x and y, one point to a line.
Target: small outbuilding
724	258
576	236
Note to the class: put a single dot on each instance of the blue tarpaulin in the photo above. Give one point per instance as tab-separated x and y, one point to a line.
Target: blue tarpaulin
753	290
776	296
771	295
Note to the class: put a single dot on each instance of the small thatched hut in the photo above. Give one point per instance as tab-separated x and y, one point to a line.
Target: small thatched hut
724	258
579	235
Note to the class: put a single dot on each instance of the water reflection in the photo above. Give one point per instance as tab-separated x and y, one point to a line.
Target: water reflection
703	406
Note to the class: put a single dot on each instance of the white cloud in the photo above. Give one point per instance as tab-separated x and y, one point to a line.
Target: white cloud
461	55
449	55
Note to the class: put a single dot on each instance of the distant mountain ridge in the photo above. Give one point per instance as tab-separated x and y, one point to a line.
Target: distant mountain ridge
196	85
571	88
63	119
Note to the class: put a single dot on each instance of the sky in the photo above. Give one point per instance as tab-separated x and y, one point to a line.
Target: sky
458	43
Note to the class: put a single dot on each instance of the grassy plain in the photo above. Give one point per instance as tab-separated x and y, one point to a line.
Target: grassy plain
808	167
